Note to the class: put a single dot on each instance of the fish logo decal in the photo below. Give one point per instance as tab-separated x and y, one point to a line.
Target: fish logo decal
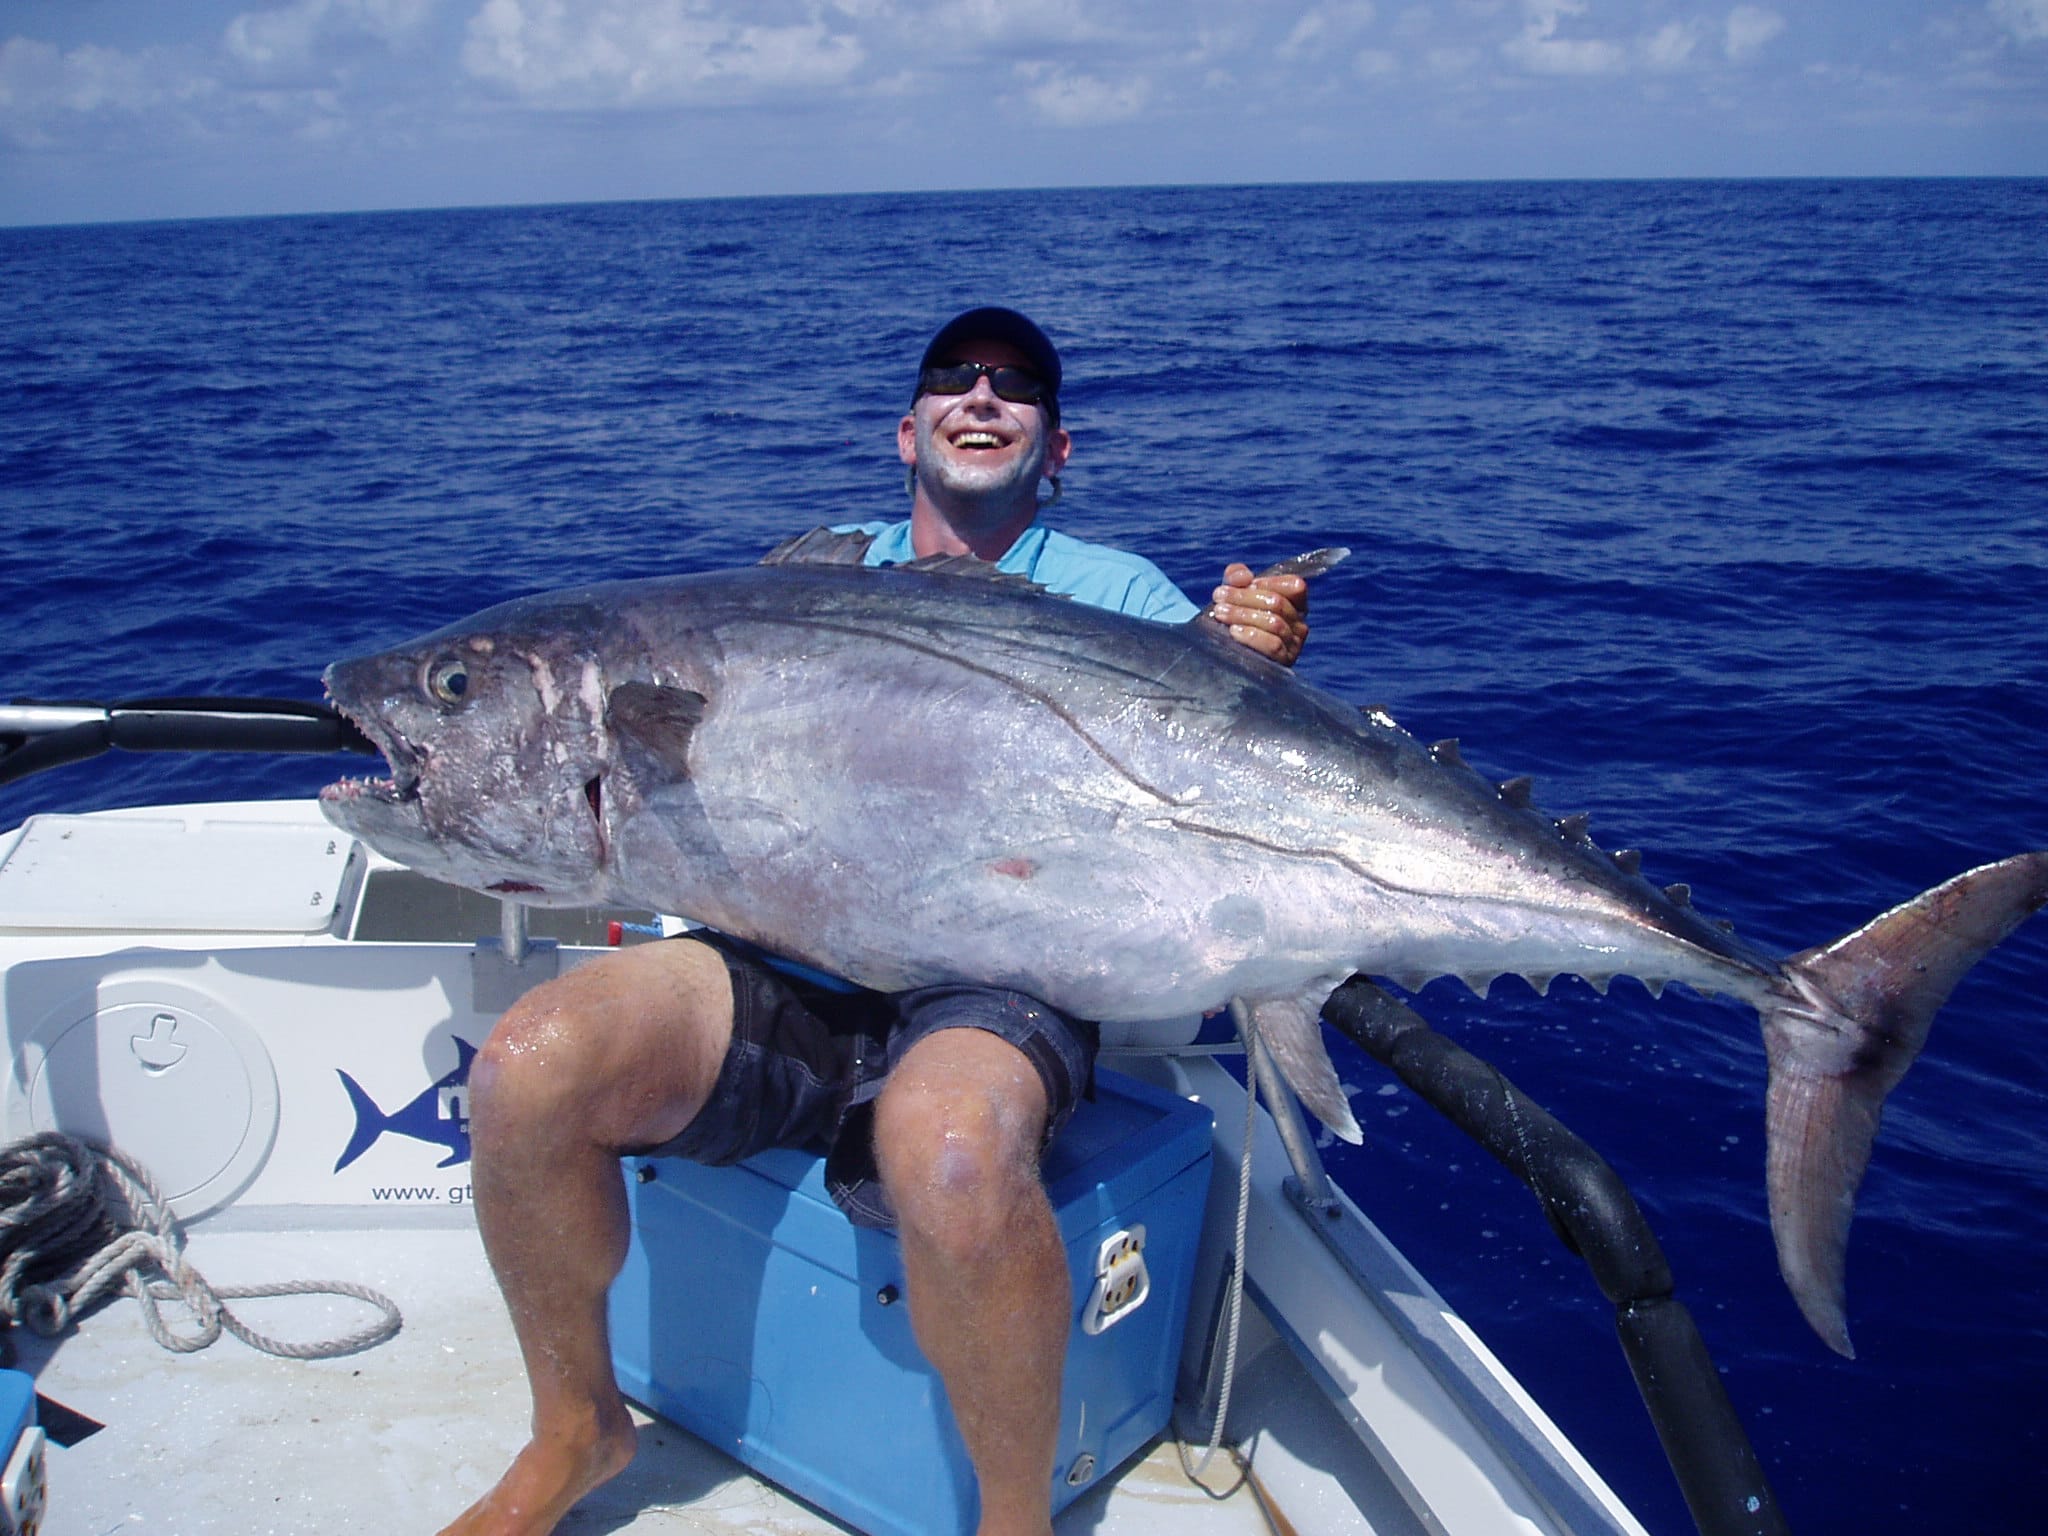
440	1114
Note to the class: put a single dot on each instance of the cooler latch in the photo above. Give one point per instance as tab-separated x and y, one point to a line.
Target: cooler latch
24	1490
1121	1280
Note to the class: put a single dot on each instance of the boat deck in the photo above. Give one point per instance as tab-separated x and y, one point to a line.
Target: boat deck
402	1436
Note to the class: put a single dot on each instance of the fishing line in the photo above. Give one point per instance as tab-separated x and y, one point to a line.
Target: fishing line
1248	1031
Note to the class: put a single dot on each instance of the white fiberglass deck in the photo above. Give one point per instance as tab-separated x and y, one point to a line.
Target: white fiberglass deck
402	1436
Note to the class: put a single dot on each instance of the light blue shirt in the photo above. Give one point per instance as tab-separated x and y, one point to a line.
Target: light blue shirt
1093	574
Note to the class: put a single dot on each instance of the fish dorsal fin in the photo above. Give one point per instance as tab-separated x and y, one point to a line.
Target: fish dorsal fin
821	546
974	568
656	718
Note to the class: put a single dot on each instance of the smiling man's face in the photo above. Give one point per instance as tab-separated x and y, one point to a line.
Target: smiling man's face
979	450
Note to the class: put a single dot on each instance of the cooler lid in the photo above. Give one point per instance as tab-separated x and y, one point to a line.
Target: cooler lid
1129	1139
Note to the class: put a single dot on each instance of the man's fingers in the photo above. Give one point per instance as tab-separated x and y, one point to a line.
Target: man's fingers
1262	641
1267	613
1258	599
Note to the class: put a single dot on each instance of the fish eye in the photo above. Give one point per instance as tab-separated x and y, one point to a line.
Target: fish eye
448	680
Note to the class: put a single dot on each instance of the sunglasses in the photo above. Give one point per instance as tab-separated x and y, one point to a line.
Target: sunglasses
1019	386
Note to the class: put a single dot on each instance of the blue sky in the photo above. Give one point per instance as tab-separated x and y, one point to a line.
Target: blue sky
122	109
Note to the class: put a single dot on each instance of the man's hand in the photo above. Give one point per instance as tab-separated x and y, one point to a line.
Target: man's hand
1267	613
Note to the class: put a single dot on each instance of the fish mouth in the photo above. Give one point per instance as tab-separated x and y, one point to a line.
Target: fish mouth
407	764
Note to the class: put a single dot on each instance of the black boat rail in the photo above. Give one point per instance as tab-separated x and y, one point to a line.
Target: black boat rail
35	737
1596	1218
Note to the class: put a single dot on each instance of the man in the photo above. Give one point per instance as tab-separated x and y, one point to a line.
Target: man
934	1104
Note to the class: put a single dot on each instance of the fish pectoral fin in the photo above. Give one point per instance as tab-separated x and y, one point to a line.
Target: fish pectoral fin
1292	1029
657	721
1312	564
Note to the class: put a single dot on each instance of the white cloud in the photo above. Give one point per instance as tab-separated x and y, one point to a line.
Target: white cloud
45	92
1326	26
1671	45
599	53
1749	28
290	35
1538	49
2026	20
1083	101
1006	28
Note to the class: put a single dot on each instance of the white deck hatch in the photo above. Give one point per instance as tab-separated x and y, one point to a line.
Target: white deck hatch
174	873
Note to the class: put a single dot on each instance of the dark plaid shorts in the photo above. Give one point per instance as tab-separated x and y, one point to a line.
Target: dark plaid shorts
807	1063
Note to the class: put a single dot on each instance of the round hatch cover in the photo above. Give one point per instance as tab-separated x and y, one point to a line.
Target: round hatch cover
167	1074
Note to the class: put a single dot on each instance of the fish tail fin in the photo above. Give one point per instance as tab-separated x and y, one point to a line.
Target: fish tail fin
371	1122
1850	1021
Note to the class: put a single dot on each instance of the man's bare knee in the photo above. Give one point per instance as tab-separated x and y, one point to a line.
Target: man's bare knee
957	1138
624	1047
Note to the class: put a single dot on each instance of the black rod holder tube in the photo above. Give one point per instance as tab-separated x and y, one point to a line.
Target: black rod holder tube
35	738
1596	1217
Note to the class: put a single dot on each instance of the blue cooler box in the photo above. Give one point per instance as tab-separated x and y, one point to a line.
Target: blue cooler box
24	1491
752	1313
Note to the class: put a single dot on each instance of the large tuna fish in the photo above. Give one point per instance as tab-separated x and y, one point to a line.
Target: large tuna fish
930	773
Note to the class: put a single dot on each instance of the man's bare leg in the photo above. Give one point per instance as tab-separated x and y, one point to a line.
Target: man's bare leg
620	1052
957	1133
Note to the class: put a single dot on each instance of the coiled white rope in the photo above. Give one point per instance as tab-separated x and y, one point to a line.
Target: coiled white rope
78	1221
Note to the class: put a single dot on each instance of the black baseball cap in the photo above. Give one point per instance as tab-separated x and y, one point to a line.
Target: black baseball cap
994	323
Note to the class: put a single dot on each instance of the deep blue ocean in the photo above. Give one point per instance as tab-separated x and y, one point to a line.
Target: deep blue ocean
1721	508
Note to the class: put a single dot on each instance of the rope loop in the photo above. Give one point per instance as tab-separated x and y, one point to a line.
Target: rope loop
79	1221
